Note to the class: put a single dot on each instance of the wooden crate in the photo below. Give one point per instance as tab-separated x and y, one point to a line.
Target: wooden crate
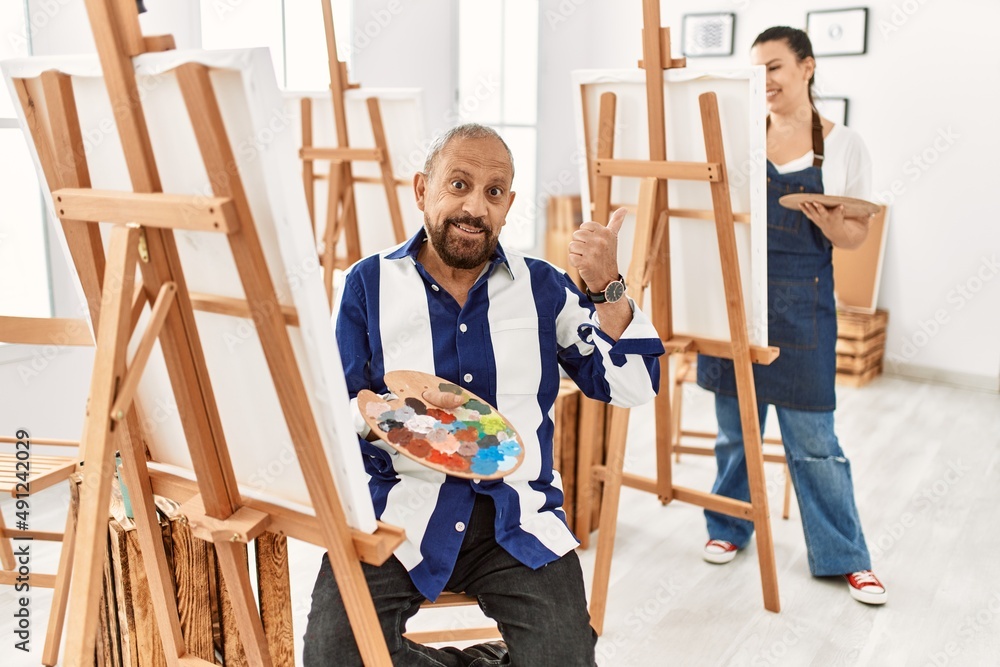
860	346
129	636
860	326
132	637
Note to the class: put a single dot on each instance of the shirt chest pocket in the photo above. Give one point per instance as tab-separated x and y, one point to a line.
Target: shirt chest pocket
521	347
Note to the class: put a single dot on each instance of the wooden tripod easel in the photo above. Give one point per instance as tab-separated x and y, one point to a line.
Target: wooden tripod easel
341	212
142	236
653	245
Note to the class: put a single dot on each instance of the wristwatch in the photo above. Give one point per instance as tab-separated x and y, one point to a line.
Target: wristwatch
612	293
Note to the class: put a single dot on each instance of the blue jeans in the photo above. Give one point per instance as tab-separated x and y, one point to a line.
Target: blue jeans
821	476
542	614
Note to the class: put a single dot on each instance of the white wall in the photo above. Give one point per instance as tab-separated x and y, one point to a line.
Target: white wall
923	98
409	44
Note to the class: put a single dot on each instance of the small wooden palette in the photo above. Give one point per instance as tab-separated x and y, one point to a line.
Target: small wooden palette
443	426
853	208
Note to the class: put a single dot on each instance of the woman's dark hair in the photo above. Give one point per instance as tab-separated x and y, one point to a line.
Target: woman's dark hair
798	42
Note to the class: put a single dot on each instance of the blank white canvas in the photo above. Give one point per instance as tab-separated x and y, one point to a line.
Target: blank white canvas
262	137
698	294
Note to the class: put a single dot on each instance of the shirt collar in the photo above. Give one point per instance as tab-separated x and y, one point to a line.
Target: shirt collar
412	247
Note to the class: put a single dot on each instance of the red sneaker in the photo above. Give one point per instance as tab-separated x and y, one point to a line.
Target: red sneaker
719	551
865	587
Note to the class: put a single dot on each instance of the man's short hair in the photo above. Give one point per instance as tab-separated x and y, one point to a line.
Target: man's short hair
467	131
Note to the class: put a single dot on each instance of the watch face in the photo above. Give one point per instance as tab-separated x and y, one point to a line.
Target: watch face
614	291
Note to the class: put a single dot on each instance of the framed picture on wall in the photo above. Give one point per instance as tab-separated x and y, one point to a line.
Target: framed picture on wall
838	32
707	34
834	108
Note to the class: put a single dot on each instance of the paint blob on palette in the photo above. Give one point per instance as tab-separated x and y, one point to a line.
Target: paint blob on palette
443	426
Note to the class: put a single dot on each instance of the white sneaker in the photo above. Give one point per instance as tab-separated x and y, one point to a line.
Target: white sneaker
865	587
719	552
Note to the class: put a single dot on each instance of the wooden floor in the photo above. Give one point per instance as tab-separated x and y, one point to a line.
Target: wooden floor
926	465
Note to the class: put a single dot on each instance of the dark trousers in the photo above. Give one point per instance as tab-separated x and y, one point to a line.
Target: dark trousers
542	614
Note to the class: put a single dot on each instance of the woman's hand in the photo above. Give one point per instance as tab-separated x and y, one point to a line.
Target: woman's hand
843	232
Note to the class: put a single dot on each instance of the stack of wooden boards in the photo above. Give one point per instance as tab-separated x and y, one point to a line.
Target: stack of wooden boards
860	346
129	636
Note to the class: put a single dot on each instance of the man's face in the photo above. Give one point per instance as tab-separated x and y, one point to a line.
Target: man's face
465	200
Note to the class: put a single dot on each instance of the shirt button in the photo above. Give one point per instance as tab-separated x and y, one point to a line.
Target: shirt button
463	328
435	288
467	377
460	526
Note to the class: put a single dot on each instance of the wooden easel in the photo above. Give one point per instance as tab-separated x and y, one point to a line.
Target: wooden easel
652	244
341	213
142	236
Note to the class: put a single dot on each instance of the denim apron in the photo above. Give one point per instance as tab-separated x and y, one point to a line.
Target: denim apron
802	318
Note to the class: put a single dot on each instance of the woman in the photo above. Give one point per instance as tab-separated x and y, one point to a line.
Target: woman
806	153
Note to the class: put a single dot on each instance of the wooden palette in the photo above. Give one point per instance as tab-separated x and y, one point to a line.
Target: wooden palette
853	208
442	426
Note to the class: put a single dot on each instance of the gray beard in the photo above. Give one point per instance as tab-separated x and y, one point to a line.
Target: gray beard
460	254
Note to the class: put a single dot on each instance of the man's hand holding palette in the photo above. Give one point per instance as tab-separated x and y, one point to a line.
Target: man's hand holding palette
442	426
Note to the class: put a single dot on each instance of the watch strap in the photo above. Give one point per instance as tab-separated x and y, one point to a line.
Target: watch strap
599	297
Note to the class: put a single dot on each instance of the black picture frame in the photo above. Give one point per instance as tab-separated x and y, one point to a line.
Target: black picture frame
834	108
838	32
708	35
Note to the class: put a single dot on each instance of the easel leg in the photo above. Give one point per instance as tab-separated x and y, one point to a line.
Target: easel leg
98	469
334	224
385	165
609	516
308	165
60	593
746	392
154	557
758	498
788	494
680	370
352	235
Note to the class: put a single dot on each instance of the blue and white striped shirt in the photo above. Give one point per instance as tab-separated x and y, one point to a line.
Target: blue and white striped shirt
523	319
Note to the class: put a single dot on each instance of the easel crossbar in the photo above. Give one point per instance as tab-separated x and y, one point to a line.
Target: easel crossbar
150	209
687	171
718	348
352	154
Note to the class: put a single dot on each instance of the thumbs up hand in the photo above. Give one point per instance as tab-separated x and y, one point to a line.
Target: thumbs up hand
594	251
